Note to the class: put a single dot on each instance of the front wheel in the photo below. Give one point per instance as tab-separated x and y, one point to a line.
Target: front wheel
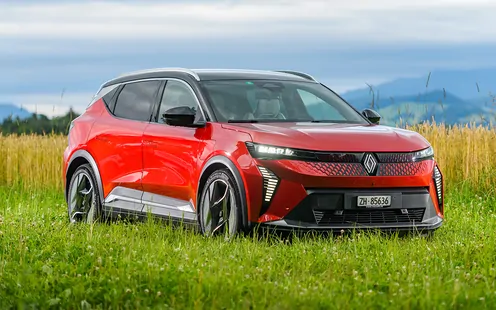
220	205
83	201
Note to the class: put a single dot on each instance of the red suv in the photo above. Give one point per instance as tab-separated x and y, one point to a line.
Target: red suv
234	149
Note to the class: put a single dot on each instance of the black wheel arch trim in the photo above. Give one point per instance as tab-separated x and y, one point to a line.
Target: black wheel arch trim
219	159
87	156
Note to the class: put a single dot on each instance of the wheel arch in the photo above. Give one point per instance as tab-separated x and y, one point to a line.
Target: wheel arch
81	157
220	162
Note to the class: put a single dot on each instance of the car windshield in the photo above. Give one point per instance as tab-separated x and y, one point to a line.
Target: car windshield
277	101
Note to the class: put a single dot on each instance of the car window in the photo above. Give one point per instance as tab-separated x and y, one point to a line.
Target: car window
107	99
277	101
178	94
136	99
318	108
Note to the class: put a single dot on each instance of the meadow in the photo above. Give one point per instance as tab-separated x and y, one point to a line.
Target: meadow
46	263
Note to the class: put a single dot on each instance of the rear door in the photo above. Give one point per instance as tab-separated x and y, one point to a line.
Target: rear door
118	144
170	154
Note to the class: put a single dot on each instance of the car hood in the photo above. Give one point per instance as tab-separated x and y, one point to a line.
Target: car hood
334	137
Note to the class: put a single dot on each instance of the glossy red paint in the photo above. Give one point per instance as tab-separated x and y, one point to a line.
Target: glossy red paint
168	160
229	143
116	146
335	137
294	181
170	156
78	136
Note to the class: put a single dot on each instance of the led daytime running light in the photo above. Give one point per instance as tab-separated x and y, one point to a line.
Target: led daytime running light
264	149
423	154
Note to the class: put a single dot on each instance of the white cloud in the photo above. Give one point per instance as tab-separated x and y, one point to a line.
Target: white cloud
64	44
351	20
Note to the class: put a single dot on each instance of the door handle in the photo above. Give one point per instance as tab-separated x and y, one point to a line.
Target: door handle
150	143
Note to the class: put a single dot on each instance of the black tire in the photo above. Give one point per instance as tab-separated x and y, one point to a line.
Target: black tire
219	179
89	204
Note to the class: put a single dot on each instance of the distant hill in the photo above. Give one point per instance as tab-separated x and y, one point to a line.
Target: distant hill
465	84
37	124
8	109
449	96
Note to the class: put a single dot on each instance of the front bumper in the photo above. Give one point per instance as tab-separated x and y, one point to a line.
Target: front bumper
411	209
322	195
285	225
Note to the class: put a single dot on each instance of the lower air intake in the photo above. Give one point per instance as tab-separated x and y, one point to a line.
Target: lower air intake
333	217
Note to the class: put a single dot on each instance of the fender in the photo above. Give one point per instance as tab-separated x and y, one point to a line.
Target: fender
219	159
86	155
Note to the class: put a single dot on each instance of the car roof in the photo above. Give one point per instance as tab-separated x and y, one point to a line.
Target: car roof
232	74
212	74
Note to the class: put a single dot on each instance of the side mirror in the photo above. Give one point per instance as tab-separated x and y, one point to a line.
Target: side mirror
180	116
372	116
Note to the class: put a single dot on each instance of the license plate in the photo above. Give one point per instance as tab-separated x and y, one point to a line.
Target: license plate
373	201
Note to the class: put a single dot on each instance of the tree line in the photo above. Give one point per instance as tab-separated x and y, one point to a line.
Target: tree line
38	124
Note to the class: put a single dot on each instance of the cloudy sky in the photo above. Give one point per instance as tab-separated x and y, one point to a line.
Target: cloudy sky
51	47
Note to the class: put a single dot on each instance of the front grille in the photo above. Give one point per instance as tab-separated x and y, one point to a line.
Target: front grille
395	157
331	169
333	217
356	169
402	169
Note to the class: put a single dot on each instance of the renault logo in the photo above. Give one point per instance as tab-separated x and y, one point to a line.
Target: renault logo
369	163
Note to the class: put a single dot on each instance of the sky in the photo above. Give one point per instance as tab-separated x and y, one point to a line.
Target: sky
55	54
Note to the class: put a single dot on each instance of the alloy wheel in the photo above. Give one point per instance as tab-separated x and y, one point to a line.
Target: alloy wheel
82	199
219	212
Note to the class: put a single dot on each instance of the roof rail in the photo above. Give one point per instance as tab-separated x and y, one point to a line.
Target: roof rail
187	71
300	74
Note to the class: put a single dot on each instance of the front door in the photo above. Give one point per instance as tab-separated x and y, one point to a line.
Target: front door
170	156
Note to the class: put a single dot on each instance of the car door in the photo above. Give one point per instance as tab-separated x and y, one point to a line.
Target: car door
118	144
170	154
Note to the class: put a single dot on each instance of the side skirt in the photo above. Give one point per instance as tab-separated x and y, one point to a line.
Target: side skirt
130	203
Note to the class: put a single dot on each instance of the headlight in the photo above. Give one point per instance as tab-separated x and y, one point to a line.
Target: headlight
424	154
272	150
263	151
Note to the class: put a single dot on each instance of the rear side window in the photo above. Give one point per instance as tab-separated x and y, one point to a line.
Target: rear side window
105	93
108	99
135	101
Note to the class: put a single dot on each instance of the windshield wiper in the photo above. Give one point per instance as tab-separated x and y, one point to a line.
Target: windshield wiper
335	121
243	121
291	121
263	120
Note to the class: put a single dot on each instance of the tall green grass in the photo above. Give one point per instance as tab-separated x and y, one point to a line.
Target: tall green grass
47	263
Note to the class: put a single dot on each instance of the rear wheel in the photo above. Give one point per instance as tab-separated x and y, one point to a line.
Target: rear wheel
83	198
220	205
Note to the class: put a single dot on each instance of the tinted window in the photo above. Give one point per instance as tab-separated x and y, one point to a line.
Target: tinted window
108	99
178	94
277	100
135	101
106	92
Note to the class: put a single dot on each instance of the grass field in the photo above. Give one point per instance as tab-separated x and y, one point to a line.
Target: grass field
45	263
